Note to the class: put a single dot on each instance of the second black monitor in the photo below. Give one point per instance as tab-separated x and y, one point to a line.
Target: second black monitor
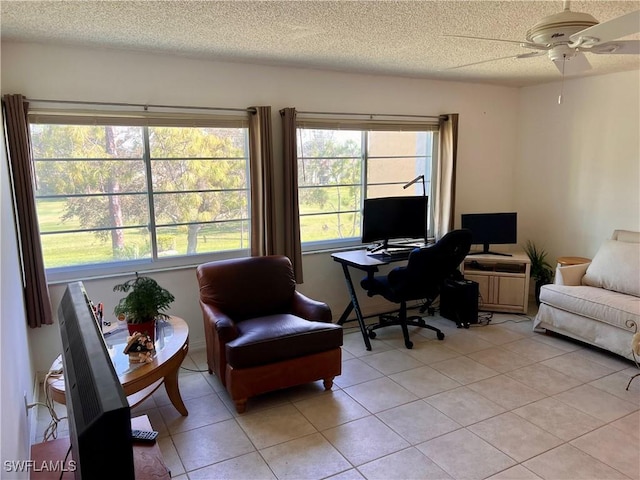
491	229
394	218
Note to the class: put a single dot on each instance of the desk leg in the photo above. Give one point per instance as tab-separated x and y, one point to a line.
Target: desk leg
171	385
354	306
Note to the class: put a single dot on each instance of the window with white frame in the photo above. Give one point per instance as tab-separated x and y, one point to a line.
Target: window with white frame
339	167
116	195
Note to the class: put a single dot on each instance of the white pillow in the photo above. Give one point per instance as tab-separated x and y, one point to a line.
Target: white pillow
616	267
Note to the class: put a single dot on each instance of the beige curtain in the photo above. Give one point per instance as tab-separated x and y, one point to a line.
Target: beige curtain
263	233
34	281
444	206
292	246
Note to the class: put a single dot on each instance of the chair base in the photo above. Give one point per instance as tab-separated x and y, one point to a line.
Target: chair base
243	383
400	319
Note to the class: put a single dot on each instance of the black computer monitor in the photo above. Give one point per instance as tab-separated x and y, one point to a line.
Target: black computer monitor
394	218
491	229
97	408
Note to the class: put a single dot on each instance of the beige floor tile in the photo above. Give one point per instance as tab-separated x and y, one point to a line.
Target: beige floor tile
536	351
629	424
157	422
275	425
466	456
431	352
545	379
354	344
515	473
464	370
604	358
567	462
558	418
394	338
515	436
521	326
202	411
613	447
392	361
380	394
406	464
351	474
170	456
190	385
424	381
330	410
496	334
311	457
211	444
250	465
464	405
500	360
215	382
364	440
616	384
466	342
577	366
563	343
596	402
506	391
355	371
418	421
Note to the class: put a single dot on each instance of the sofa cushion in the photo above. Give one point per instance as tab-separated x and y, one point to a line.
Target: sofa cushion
616	267
592	302
273	338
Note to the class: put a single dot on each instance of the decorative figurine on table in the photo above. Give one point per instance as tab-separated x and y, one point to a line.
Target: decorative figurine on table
139	348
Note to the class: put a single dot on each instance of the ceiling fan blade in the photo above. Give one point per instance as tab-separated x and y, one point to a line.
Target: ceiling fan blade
530	54
621	47
573	65
610	30
483	61
519	42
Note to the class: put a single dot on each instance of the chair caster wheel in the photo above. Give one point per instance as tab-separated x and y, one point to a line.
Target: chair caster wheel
440	336
431	311
422	323
409	345
372	335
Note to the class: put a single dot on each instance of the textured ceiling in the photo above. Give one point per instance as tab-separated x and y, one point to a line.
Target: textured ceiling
384	37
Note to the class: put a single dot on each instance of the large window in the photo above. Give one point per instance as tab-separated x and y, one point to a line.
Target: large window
338	169
114	195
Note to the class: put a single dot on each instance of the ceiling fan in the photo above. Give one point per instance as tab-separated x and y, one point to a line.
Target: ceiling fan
566	36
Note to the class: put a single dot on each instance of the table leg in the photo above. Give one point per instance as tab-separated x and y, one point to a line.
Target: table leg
171	386
354	306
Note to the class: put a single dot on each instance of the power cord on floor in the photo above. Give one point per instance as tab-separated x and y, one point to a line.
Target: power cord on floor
192	370
51	431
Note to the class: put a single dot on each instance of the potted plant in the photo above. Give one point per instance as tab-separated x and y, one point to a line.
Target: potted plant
541	270
145	303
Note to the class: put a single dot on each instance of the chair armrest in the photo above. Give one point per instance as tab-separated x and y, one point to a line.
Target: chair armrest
223	325
571	275
309	309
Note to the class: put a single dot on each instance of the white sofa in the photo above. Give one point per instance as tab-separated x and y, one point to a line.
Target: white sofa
598	302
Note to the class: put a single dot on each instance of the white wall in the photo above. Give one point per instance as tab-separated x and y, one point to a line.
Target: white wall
578	163
16	365
487	146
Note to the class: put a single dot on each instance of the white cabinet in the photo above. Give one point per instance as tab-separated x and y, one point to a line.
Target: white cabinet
503	281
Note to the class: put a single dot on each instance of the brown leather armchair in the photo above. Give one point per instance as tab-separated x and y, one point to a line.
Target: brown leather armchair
262	334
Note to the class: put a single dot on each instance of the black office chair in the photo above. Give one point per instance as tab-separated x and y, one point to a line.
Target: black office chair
421	278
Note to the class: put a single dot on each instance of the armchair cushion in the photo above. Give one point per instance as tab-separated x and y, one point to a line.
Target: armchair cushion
274	338
615	267
570	274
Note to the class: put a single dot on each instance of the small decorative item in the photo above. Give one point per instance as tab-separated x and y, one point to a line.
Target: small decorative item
144	304
140	348
635	348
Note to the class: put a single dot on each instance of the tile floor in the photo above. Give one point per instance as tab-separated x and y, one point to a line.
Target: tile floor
496	401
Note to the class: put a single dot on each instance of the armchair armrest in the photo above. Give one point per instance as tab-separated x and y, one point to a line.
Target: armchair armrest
309	309
571	274
221	323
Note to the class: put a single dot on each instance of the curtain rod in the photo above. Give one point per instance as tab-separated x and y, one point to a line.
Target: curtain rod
371	114
141	105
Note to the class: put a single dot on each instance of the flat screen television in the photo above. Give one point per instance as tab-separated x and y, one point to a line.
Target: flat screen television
97	408
491	229
394	218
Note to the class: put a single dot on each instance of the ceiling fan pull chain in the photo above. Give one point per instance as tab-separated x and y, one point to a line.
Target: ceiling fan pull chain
564	59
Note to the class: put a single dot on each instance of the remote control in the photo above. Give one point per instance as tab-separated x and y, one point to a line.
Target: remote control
144	436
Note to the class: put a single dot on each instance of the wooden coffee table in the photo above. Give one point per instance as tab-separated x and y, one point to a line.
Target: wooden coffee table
139	380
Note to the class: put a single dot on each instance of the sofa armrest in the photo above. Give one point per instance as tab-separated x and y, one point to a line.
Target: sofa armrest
571	274
309	309
225	328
